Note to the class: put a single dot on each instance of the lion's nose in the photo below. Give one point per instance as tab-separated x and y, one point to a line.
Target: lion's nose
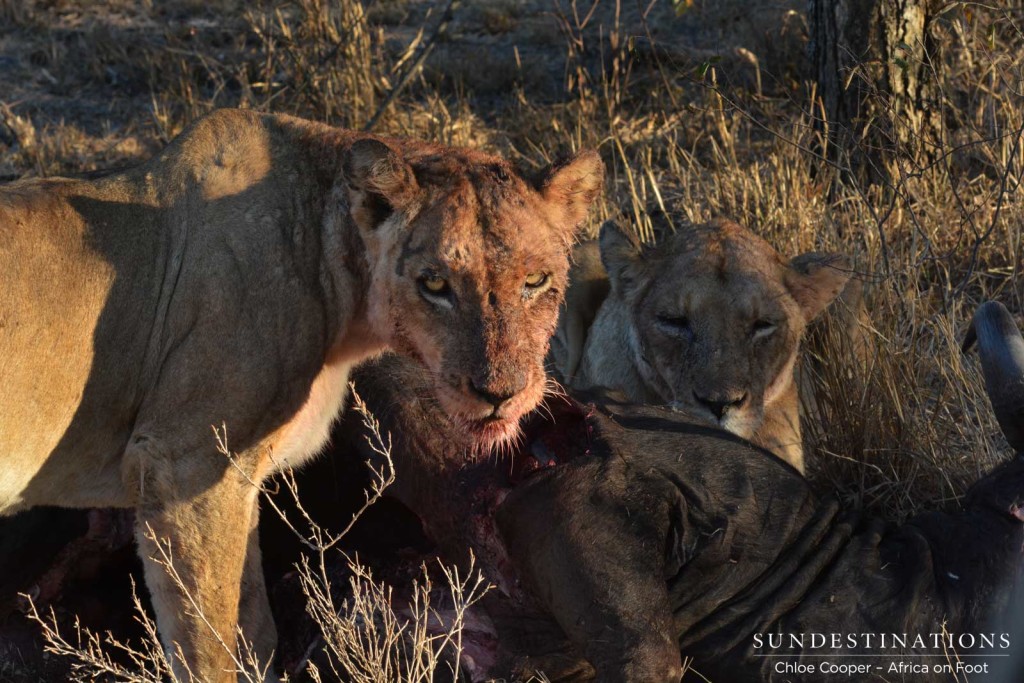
497	396
720	404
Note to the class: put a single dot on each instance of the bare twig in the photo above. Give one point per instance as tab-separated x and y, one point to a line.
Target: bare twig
413	69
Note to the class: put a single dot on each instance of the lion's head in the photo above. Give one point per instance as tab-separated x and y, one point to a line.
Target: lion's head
716	316
468	265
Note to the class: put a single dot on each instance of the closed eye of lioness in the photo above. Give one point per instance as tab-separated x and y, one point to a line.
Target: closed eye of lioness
708	321
235	279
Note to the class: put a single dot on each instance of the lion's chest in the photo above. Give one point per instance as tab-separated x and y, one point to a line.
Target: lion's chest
309	429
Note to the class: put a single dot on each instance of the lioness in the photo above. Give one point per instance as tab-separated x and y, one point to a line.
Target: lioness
235	279
709	321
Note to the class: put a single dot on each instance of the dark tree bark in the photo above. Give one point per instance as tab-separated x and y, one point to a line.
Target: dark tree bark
875	63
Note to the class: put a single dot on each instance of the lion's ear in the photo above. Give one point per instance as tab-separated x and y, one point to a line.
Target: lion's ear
621	256
379	183
573	186
816	279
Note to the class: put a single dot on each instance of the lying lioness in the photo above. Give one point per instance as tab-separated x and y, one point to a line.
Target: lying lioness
709	321
234	280
648	539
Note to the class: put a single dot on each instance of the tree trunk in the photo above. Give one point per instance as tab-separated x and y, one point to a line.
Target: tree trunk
875	64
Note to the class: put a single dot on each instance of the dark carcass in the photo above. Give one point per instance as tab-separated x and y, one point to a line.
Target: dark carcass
625	539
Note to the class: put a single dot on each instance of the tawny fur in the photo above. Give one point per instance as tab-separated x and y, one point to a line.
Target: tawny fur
235	279
745	310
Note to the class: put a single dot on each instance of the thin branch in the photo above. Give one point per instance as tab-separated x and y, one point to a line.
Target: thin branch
441	30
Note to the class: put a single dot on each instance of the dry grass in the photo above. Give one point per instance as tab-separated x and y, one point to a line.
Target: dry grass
726	128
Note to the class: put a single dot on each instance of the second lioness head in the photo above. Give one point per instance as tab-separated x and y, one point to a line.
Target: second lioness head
717	315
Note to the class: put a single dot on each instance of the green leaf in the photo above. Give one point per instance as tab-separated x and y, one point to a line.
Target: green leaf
702	70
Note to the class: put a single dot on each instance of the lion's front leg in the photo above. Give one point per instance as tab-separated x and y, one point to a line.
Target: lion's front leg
254	613
194	520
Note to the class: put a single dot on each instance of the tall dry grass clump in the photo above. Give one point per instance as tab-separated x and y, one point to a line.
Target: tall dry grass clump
321	58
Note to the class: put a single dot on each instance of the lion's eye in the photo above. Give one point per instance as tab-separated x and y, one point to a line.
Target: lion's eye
678	325
432	284
536	280
763	328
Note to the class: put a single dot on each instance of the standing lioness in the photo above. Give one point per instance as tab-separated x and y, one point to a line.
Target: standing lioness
236	279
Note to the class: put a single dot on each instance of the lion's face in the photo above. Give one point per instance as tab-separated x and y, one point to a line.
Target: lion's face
469	264
717	317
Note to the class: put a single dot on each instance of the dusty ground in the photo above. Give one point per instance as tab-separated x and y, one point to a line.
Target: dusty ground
700	107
